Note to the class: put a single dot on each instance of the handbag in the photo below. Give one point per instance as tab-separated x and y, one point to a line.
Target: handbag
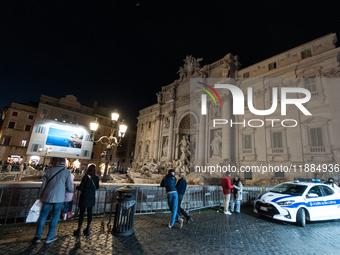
34	212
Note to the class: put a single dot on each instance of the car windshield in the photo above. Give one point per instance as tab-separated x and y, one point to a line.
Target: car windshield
289	189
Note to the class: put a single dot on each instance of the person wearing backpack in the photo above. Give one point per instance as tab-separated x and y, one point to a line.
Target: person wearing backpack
88	186
52	194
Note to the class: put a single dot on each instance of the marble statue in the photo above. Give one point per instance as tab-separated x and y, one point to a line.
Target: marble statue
216	144
184	145
166	123
159	97
165	148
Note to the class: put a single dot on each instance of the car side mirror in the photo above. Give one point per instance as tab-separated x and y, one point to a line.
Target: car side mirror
312	195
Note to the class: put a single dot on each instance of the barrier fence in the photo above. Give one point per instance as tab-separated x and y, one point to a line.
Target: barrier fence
15	203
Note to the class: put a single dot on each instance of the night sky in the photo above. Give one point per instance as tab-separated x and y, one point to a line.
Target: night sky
121	53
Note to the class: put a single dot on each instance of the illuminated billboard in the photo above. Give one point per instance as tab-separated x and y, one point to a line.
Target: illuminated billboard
65	139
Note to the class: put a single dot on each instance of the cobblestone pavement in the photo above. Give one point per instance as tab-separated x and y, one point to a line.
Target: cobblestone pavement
211	233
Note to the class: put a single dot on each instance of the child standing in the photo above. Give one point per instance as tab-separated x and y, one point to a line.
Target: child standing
69	197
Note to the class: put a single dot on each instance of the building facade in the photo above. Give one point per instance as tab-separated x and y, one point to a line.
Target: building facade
17	125
61	125
125	151
264	140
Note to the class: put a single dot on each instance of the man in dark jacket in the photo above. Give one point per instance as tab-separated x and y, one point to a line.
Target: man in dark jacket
52	194
169	182
226	186
181	188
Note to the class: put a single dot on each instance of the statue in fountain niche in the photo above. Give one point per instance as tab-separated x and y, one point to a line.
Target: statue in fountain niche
216	144
165	148
184	145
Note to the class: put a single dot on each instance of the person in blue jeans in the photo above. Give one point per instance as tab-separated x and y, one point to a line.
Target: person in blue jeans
52	194
169	182
237	195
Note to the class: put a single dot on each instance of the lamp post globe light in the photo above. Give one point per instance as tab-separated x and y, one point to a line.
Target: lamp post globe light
111	140
46	152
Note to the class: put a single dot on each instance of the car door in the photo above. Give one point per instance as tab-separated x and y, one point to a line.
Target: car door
315	204
332	201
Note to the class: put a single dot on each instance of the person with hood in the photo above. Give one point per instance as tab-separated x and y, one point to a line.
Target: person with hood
169	182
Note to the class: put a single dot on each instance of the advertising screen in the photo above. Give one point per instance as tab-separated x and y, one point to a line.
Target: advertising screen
64	139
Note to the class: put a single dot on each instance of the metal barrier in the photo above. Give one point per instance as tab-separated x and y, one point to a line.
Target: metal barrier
16	202
154	199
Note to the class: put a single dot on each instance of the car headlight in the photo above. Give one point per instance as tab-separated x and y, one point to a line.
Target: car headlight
288	202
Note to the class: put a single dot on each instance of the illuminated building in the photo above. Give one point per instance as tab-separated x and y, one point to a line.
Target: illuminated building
161	126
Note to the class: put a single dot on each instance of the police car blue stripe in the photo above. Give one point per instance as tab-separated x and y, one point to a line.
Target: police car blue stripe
279	198
315	203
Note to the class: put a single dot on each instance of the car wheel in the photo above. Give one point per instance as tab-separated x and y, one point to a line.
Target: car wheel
301	217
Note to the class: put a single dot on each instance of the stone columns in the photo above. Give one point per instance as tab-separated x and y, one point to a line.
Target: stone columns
177	142
171	134
156	145
226	129
201	140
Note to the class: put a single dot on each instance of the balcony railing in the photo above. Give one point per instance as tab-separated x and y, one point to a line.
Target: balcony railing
317	149
277	150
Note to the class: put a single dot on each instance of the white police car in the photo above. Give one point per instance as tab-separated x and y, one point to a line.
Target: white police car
300	202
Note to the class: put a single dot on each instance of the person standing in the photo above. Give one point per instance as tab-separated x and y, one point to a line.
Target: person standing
88	186
9	167
169	182
21	168
332	184
237	195
181	187
69	197
52	194
226	186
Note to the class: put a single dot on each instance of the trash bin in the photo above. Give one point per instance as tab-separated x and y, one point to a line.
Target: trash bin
125	212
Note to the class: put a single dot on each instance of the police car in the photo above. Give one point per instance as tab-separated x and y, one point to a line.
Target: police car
300	201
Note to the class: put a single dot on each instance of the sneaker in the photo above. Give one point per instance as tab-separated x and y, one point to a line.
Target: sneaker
36	240
180	221
51	239
169	226
189	220
227	213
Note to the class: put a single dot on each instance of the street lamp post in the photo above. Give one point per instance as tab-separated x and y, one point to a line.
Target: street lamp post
46	152
111	140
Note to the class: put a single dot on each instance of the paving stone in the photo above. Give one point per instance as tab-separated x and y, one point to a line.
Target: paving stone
211	233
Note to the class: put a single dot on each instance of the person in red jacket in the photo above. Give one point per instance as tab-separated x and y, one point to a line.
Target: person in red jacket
226	186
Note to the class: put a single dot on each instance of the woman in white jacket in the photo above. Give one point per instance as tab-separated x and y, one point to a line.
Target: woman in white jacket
237	195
